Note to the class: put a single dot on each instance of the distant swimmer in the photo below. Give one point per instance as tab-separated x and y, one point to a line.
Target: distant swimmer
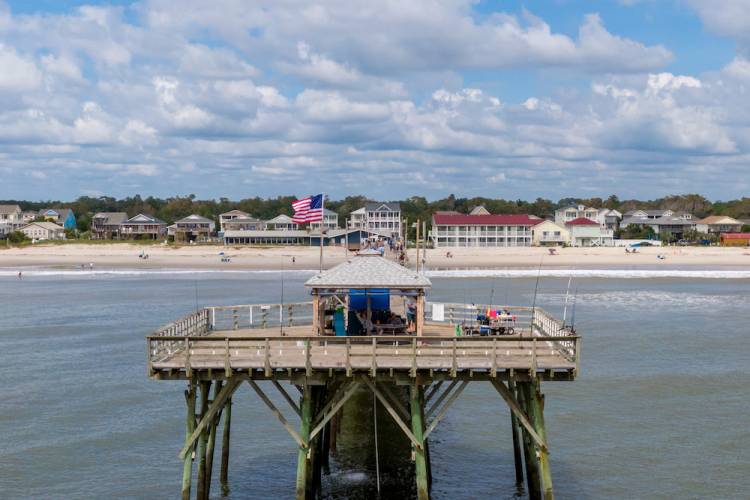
20	275
91	265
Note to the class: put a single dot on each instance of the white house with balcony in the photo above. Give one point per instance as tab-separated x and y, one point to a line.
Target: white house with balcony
547	233
453	229
230	216
282	222
330	221
589	233
573	212
379	218
43	231
10	219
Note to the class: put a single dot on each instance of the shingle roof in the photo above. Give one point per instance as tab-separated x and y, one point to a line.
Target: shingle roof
374	205
718	219
280	219
193	218
144	219
112	217
235	212
50	226
9	209
369	271
486	220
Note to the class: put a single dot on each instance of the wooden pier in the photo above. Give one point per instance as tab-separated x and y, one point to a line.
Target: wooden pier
416	377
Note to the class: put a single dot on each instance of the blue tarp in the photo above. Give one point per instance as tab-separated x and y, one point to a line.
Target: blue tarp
380	298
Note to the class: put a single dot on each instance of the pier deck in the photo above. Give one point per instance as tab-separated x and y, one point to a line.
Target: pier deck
293	347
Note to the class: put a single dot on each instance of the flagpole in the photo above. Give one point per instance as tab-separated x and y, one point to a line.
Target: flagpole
322	221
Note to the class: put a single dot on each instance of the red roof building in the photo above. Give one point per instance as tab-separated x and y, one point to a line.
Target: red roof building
581	221
453	229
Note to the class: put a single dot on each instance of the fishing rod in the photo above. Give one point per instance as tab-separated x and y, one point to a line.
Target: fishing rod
536	289
573	313
565	305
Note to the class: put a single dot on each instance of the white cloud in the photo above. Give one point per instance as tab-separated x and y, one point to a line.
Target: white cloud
18	73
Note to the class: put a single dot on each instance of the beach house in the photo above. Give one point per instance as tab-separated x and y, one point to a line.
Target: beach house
61	216
229	216
10	219
717	224
281	223
378	217
572	212
586	232
330	221
43	231
547	233
143	227
671	226
453	229
247	223
193	228
106	225
609	218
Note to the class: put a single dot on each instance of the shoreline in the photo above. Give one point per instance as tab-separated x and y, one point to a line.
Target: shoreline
126	256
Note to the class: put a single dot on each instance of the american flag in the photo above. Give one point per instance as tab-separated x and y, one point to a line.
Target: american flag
308	209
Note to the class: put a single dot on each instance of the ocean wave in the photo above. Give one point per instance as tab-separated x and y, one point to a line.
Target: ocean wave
590	273
74	272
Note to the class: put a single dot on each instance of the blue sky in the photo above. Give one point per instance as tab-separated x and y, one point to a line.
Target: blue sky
551	98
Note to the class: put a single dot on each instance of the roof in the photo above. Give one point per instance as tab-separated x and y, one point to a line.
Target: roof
235	212
144	219
452	218
62	213
369	271
581	221
329	212
194	218
371	206
9	209
112	217
650	213
718	219
359	211
670	221
479	210
49	226
281	219
735	236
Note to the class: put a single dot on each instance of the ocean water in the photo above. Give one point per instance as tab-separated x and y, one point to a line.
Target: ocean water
661	408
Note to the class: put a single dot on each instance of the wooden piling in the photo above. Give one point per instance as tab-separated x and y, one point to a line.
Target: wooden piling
211	442
536	416
417	429
303	462
515	429
205	388
187	468
532	463
224	474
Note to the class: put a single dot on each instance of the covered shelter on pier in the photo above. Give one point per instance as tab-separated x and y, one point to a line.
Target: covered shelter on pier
370	285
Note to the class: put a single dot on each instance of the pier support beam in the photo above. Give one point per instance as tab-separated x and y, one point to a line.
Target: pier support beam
224	475
212	441
536	415
205	387
303	457
515	429
532	463
187	468
417	429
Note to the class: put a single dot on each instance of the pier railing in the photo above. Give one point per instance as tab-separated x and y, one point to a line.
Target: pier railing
453	354
260	315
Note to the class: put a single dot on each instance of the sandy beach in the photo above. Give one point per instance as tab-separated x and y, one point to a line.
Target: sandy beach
126	255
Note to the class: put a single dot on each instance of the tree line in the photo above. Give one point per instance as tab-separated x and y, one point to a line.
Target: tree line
413	208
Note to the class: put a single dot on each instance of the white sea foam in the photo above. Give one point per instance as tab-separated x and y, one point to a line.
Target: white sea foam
437	273
75	272
590	273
